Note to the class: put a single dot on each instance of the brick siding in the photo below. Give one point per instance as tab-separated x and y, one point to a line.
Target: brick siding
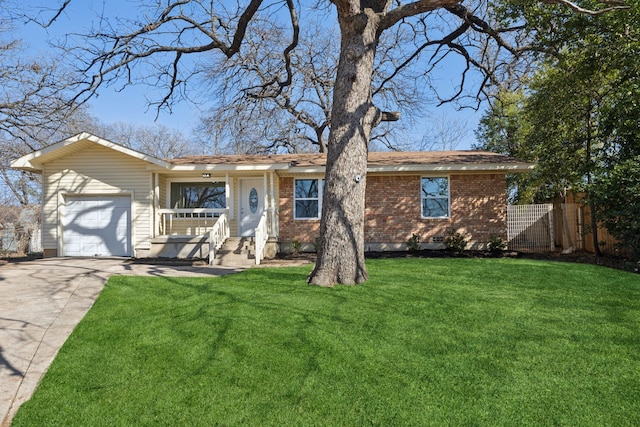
479	206
304	230
393	212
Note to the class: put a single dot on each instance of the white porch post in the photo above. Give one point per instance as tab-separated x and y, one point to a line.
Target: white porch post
156	205
228	195
266	194
272	203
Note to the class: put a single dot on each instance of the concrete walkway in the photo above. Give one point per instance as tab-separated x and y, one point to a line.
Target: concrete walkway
42	301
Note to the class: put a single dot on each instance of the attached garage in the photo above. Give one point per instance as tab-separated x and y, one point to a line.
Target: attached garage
96	225
100	198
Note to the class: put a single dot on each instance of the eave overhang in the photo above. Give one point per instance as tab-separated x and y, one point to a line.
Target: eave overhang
33	162
426	168
444	162
222	167
490	167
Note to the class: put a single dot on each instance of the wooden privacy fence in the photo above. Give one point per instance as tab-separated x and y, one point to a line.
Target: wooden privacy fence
573	230
530	228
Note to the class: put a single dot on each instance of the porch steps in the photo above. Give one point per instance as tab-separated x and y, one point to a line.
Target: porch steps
236	252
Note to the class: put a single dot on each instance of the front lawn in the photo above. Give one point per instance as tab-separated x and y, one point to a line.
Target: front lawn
424	342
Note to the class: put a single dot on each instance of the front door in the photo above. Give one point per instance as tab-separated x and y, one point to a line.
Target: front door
251	205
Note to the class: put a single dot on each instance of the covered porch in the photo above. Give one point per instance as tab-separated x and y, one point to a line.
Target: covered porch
195	212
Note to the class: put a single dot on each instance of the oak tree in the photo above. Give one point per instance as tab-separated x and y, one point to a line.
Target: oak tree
250	116
486	35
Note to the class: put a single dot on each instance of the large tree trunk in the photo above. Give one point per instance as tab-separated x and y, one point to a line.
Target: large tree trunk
341	249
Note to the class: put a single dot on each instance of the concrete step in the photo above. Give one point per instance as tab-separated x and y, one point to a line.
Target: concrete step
236	252
233	262
247	253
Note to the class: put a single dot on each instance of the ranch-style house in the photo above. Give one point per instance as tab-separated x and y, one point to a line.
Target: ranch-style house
100	198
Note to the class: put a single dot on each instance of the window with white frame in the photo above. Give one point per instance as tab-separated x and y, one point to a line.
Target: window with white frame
192	195
308	198
434	196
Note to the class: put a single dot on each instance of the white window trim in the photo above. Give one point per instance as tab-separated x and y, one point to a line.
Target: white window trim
448	178
212	179
320	196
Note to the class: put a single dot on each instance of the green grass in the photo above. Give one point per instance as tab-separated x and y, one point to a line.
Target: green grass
425	342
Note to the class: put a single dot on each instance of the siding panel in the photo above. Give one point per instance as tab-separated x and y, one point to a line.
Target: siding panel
96	170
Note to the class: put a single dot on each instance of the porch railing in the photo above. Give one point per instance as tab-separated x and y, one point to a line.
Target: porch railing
218	234
264	230
188	222
214	223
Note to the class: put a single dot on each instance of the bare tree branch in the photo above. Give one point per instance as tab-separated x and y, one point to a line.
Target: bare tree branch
239	35
611	6
416	52
392	17
58	13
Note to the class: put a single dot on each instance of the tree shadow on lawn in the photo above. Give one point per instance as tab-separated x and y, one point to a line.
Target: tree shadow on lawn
615	262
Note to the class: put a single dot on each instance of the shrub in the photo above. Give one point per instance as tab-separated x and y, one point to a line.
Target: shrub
496	244
413	244
295	246
455	242
616	195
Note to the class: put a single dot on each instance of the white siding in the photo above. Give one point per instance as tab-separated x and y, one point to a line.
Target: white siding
164	191
96	170
234	178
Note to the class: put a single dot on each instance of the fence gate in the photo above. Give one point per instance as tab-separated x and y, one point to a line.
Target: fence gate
9	239
530	228
35	241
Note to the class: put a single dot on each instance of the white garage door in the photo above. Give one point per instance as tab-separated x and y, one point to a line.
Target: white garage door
97	226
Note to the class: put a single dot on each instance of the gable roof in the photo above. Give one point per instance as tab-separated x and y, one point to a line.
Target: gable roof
418	161
33	162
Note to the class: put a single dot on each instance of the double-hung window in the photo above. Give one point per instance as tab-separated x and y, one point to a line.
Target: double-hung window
308	198
435	197
191	195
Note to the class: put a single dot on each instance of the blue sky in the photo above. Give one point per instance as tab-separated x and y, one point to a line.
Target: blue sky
131	104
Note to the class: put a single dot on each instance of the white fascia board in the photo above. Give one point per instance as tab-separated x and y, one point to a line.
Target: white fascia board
24	163
228	168
495	167
490	167
33	163
308	169
30	161
128	151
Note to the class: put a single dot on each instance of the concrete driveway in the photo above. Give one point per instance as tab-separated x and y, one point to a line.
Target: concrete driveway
42	301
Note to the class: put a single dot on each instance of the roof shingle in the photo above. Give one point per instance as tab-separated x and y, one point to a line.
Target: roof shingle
462	157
